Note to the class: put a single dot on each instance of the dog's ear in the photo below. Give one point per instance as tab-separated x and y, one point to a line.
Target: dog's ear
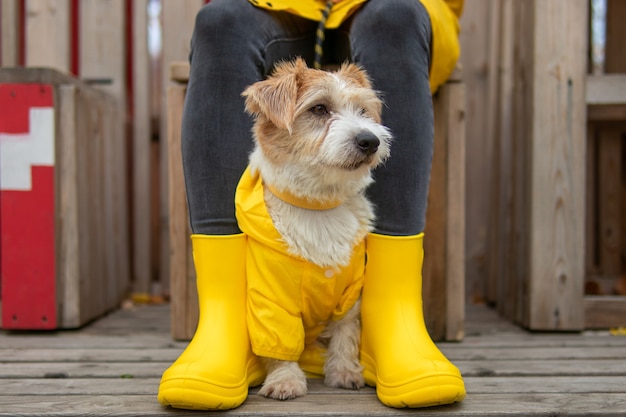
274	98
356	73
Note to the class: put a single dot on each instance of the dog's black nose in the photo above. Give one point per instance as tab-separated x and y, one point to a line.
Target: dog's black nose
367	142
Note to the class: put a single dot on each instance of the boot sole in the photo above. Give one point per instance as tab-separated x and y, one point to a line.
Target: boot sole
427	391
195	394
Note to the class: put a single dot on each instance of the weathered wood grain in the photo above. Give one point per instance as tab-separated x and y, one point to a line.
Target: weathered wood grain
113	367
561	404
126	384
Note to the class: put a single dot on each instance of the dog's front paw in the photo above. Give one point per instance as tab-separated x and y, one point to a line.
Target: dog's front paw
345	378
284	390
284	381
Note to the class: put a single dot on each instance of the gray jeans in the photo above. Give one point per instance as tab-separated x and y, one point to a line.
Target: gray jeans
235	44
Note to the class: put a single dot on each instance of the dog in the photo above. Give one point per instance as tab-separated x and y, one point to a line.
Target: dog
317	137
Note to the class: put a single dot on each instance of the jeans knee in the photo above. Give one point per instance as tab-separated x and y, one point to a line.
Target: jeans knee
221	17
398	19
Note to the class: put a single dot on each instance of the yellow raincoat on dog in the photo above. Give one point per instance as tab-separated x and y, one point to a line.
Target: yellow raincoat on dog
444	19
290	300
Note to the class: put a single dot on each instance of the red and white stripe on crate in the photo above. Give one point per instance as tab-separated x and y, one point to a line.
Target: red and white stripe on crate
27	206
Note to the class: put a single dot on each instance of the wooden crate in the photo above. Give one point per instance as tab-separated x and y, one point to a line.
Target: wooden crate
65	241
444	243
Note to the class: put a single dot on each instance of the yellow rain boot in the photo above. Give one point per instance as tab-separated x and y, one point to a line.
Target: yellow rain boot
398	355
217	367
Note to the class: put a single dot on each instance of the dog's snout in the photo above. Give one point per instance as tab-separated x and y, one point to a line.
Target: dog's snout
367	142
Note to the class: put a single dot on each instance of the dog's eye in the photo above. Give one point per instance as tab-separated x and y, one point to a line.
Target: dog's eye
319	109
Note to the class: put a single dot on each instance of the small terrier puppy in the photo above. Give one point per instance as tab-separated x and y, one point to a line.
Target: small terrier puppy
317	137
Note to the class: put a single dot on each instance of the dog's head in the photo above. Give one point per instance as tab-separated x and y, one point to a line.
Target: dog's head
325	123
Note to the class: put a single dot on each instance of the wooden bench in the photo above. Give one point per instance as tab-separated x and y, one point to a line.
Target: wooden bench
444	265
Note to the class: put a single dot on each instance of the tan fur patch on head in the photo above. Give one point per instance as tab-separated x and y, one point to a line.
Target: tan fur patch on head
354	72
276	97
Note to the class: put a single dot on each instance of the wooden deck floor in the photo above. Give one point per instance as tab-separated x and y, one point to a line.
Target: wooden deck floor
112	367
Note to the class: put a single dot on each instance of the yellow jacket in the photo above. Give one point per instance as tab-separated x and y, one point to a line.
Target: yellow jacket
290	300
444	18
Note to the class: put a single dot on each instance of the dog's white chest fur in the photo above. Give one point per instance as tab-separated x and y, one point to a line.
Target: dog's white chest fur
323	237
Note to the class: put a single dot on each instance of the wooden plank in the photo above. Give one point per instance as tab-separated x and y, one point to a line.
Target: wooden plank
455	212
182	274
523	404
69	251
102	58
615	48
546	369
102	47
178	19
435	233
606	113
557	145
10	26
159	340
606	89
502	240
179	71
141	155
474	39
444	242
149	354
591	258
605	311
609	199
47	42
521	113
126	384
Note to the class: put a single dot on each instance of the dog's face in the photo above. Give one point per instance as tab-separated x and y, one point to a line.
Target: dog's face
325	123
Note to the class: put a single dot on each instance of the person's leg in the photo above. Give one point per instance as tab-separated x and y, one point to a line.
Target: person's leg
234	44
391	40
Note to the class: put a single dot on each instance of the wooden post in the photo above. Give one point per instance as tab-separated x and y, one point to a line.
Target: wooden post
184	295
444	241
552	42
